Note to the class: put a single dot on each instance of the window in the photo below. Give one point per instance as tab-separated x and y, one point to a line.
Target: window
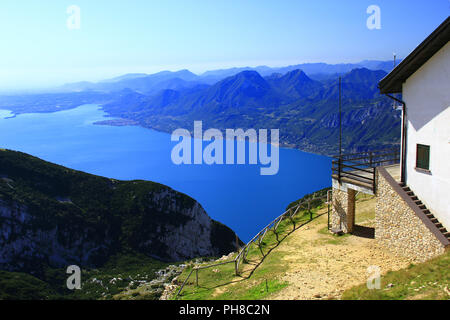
423	157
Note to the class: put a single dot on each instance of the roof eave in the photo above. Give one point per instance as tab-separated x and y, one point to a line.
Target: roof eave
393	82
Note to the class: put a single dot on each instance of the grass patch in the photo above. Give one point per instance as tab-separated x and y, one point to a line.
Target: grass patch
425	281
22	286
121	272
258	291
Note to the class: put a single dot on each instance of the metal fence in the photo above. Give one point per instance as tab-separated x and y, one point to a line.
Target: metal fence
360	168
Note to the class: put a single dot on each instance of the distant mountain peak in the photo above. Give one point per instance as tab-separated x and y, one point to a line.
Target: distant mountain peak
250	74
247	75
296	84
296	72
185	72
127	76
298	75
364	75
361	70
239	90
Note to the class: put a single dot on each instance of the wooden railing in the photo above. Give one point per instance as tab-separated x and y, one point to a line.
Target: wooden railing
360	168
290	213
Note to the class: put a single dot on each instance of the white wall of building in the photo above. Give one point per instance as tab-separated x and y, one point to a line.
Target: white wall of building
427	97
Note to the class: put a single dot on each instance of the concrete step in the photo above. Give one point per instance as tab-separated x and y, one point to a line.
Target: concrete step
430	216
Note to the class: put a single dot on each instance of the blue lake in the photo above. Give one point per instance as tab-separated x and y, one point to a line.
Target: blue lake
236	195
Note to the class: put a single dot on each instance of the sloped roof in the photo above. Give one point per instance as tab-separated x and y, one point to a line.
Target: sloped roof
392	83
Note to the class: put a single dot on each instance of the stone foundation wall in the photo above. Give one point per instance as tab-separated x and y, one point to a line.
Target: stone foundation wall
343	210
398	228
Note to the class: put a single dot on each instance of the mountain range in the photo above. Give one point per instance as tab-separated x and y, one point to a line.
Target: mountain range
300	100
305	110
152	83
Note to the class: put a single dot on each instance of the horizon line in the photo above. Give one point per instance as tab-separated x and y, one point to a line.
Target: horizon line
173	70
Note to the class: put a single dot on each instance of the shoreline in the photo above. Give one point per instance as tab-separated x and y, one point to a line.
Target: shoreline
119	122
122	122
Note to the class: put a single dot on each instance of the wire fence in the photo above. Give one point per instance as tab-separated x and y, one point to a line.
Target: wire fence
273	226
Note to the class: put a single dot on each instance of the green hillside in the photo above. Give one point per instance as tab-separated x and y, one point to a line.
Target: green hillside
52	217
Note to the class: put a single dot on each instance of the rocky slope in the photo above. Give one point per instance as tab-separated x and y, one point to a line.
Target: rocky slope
51	216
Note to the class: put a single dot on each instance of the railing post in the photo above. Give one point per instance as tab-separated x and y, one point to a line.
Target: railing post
309	209
374	181
184	282
339	168
246	253
196	277
291	217
328	213
329	200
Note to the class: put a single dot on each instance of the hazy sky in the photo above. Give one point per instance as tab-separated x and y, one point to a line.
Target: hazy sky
117	37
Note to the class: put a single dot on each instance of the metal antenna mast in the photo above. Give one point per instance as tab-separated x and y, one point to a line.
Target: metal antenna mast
340	118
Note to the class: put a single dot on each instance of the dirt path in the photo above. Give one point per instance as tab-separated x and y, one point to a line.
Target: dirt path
322	266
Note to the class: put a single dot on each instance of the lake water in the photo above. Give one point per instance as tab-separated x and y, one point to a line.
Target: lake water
236	195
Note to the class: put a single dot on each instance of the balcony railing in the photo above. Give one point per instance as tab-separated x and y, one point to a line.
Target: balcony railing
359	168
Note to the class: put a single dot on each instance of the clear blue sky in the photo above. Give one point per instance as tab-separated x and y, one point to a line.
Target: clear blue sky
118	37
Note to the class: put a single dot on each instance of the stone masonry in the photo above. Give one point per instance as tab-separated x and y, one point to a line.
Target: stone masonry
399	229
343	210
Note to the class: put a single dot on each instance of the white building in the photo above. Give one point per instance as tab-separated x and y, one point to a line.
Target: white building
412	211
423	78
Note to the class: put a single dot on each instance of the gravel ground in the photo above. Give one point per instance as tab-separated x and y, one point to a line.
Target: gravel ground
322	266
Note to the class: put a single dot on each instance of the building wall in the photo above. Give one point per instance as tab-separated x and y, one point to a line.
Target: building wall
343	210
427	97
399	229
